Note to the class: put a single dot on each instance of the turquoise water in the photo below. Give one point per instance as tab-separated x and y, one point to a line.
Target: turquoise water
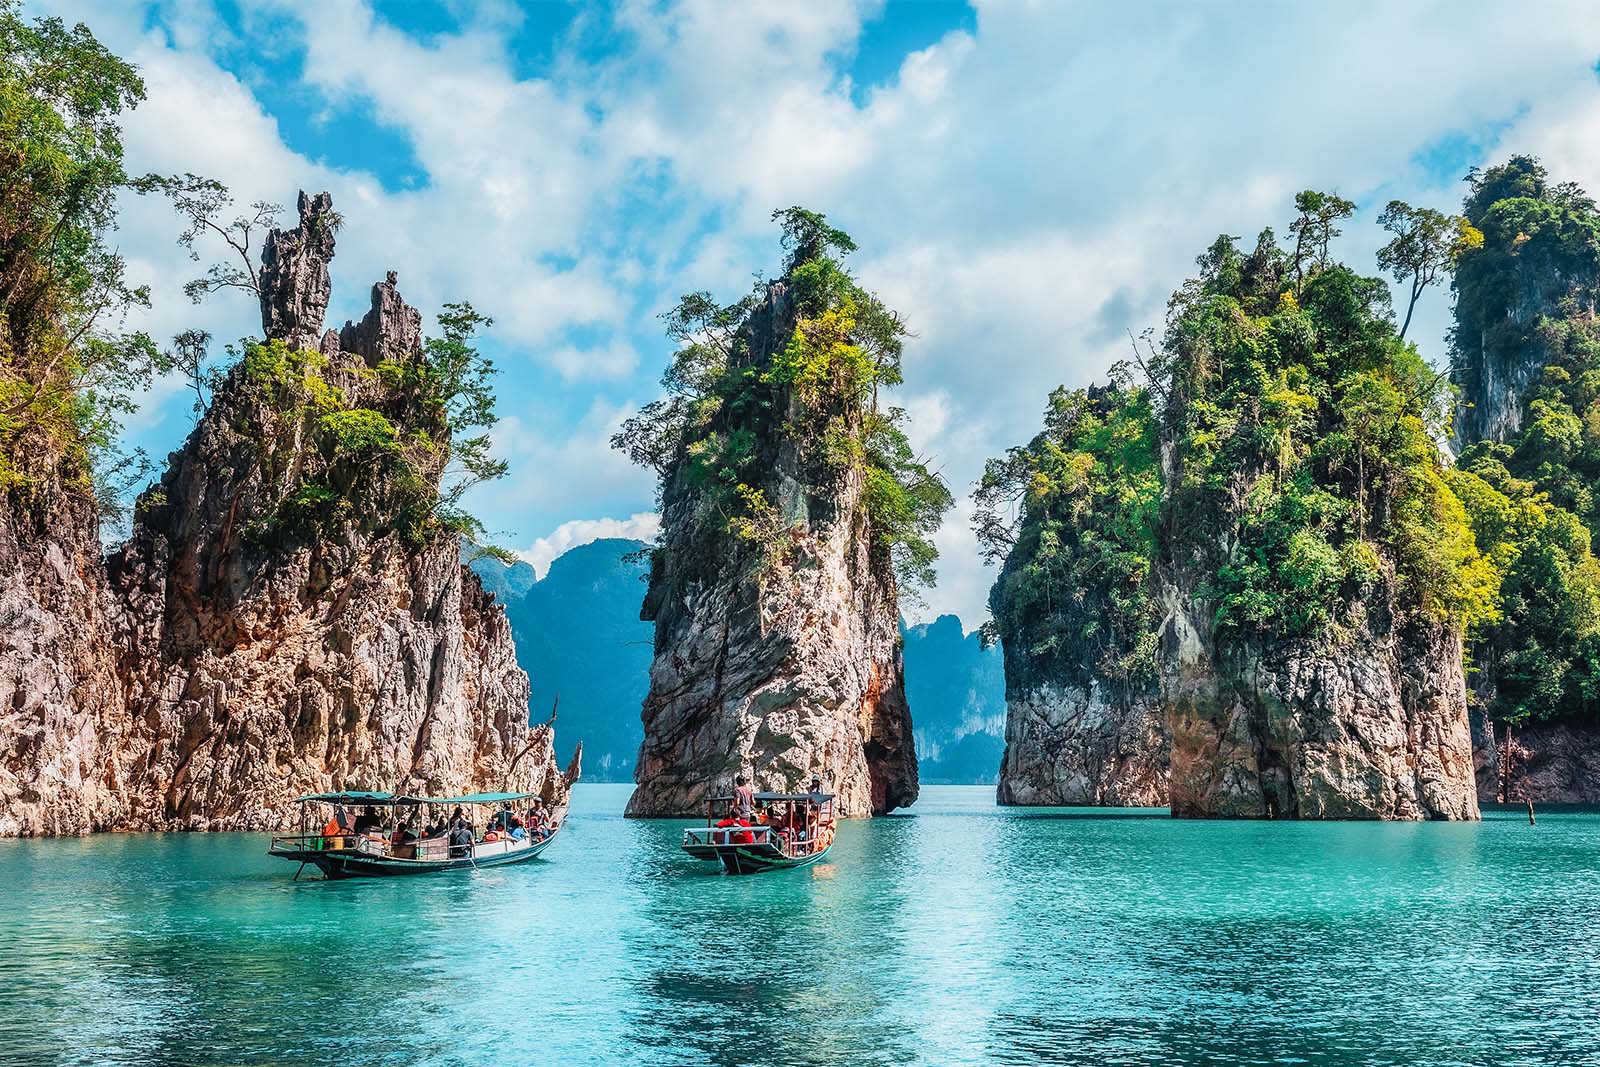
960	933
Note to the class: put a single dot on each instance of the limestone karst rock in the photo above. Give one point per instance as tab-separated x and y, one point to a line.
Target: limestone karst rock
1373	730
783	673
1068	746
60	696
1071	605
1523	354
286	629
1314	570
294	282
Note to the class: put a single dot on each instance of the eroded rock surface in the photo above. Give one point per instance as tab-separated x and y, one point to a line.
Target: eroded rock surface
60	697
1375	728
276	624
1077	745
1549	763
782	675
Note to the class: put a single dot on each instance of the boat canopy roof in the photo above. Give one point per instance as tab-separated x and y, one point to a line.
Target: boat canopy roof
357	796
477	798
766	797
353	796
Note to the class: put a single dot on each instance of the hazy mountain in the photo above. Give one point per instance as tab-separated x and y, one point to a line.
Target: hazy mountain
578	633
957	691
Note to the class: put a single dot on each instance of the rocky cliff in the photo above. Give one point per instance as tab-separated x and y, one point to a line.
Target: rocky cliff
60	696
773	589
1549	763
1293	729
1071	605
1539	264
1315	570
293	620
1525	353
1083	746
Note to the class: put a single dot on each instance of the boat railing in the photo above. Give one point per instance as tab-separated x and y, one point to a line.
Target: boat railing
427	848
728	835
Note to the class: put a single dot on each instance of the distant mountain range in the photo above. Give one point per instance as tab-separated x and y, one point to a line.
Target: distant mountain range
578	633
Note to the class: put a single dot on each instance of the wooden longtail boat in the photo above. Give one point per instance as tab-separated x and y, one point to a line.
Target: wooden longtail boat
790	830
385	849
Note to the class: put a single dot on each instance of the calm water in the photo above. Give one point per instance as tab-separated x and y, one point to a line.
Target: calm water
960	933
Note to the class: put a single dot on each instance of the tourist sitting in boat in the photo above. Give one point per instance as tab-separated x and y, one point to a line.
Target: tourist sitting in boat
539	822
518	833
368	820
741	811
460	840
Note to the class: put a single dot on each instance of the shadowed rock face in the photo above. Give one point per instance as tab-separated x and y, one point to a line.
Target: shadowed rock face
783	675
1070	745
1549	762
238	660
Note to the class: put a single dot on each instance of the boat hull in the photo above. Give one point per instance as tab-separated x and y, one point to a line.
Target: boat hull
752	859
352	864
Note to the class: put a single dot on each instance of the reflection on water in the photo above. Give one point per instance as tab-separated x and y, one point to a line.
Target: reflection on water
959	934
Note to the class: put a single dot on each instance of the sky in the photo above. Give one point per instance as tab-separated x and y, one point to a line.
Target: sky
1027	182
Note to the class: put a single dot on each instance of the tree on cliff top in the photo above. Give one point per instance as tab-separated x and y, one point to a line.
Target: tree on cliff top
66	372
727	408
1305	432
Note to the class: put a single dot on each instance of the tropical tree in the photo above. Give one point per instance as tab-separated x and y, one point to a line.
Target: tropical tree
1426	244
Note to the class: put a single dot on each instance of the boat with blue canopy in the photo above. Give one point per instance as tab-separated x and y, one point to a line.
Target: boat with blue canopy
378	834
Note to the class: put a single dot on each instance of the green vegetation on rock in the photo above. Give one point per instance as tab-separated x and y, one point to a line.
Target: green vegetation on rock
728	414
1526	342
1072	517
393	454
1300	415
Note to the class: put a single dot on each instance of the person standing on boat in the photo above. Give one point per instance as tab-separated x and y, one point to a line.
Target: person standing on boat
744	801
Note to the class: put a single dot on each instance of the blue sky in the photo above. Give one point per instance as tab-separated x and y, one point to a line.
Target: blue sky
1027	181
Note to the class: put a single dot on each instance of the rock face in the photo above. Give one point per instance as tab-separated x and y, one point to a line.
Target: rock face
284	632
1079	745
780	674
60	697
1372	729
1549	763
294	281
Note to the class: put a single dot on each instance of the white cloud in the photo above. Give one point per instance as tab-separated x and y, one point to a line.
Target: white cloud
1024	193
643	526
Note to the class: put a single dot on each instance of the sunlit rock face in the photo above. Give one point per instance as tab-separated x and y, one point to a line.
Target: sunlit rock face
60	697
262	661
779	674
1372	727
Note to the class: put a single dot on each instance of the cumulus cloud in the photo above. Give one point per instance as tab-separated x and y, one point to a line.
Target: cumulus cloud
569	535
1025	192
